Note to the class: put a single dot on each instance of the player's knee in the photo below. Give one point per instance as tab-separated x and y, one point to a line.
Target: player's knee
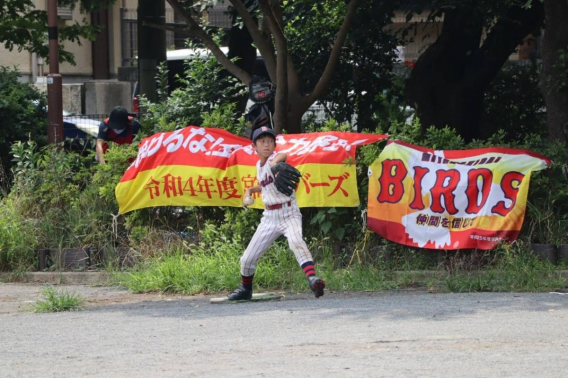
297	245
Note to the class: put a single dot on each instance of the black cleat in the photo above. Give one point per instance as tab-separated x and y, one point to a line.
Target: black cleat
317	285
241	294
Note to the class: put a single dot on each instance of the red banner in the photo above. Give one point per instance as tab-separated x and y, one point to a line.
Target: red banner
198	166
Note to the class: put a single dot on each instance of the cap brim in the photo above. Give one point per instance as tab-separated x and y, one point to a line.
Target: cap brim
271	132
116	125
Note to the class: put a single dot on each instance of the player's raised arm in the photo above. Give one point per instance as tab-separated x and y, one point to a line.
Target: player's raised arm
280	157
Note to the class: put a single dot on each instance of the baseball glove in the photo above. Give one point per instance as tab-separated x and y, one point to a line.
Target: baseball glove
286	178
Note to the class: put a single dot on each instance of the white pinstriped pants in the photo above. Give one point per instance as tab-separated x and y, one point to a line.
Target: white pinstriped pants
285	221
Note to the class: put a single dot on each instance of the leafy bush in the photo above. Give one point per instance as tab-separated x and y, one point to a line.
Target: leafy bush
20	118
53	192
204	88
364	68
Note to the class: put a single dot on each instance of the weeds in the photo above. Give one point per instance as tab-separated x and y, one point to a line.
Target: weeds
215	266
514	268
58	301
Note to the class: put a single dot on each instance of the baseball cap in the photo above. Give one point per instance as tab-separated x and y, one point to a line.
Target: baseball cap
261	131
118	118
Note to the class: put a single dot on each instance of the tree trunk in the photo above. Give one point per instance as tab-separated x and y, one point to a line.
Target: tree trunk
151	46
439	81
295	114
448	82
555	69
240	45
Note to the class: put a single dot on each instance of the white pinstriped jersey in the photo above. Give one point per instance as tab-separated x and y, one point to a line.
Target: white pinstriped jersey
270	195
285	220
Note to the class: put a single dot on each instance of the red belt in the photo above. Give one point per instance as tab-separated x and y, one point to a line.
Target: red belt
278	205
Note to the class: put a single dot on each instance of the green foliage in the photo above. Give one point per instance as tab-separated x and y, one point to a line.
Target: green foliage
560	80
224	116
238	226
52	176
365	65
514	103
330	124
390	106
443	139
407	132
332	221
20	117
205	89
118	158
162	80
18	237
54	201
58	301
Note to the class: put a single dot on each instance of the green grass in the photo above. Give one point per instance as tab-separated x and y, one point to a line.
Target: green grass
506	280
217	269
514	268
58	301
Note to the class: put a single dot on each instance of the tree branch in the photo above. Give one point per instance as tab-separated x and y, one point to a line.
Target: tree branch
281	114
325	79
260	40
293	81
504	38
185	31
195	30
275	28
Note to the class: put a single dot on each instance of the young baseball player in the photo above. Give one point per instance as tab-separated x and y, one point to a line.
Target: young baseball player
281	217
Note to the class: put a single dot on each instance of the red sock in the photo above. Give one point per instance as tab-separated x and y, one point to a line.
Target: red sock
308	268
247	281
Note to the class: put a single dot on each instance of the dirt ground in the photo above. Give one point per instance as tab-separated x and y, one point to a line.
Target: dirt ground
20	297
391	333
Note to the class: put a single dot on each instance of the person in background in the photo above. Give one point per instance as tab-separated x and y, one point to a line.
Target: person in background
119	128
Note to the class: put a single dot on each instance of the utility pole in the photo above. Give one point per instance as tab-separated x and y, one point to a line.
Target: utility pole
151	45
54	81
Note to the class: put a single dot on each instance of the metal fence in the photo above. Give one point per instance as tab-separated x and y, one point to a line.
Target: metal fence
216	16
129	31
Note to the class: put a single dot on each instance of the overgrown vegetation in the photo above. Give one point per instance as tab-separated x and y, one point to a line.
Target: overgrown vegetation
20	116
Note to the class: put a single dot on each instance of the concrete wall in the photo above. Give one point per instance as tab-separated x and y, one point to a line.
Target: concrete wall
73	97
101	96
95	97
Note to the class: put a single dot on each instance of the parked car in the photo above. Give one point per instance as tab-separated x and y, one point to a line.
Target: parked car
79	131
79	126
